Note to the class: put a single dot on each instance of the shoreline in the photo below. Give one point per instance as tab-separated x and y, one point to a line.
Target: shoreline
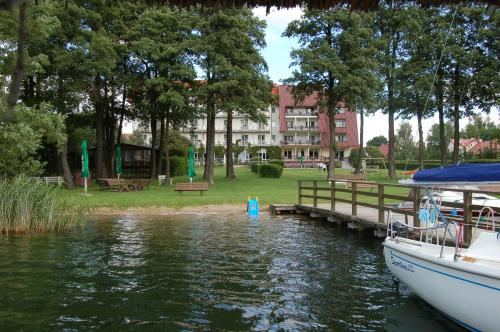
211	209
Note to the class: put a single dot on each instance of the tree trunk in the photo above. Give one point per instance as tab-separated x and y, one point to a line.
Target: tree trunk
17	76
152	162
122	114
99	135
229	147
63	160
159	164
210	159
333	144
167	151
420	140
391	111
456	133
440	107
361	137
456	116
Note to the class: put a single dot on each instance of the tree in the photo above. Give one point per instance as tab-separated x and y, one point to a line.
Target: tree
417	71
377	141
320	67
233	80
404	142
434	150
391	22
23	136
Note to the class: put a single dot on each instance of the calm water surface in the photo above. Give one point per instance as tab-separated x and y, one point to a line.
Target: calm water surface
205	272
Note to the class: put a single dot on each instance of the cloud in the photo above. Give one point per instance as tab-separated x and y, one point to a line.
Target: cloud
278	19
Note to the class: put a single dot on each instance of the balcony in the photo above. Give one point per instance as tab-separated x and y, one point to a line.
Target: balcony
303	128
289	112
300	142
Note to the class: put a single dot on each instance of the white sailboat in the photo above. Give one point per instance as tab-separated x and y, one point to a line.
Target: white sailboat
462	283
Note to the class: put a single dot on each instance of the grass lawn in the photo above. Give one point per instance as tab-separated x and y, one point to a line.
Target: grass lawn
224	191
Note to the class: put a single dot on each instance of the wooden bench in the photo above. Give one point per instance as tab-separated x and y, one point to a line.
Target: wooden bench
198	186
53	180
365	184
116	184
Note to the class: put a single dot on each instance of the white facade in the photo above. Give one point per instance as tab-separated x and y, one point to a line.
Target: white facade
246	132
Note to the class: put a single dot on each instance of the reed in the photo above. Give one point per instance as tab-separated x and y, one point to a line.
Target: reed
29	207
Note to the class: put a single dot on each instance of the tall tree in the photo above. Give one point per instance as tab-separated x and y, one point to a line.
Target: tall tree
320	66
233	71
392	19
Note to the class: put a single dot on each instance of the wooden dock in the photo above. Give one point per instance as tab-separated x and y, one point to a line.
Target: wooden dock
366	205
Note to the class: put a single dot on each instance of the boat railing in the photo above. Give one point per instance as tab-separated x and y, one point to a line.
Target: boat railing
456	239
484	218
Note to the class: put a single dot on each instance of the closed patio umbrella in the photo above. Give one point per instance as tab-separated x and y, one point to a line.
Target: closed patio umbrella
118	161
191	172
85	165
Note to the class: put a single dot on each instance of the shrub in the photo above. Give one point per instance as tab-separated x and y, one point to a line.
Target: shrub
178	166
177	151
276	162
274	152
270	171
30	207
254	167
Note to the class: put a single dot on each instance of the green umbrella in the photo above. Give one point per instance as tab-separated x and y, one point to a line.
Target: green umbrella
85	164
118	161
191	172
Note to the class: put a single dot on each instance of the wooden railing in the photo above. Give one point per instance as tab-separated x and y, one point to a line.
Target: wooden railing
382	197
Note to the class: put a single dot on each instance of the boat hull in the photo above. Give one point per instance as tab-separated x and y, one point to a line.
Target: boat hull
470	299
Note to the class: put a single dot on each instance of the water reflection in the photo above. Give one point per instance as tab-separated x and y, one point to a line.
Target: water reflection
192	273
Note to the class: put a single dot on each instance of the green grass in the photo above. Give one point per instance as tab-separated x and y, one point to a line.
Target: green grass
224	191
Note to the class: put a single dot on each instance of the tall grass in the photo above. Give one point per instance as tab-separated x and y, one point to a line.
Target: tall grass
28	207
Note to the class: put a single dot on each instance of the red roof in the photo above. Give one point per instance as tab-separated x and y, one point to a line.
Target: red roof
384	148
464	141
485	145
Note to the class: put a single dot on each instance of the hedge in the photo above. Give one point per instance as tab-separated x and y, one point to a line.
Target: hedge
178	166
270	171
276	162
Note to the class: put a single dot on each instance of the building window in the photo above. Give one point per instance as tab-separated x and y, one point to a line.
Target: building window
312	139
244	123
313	154
274	109
225	124
244	138
289	124
273	137
341	138
340	123
287	154
341	111
288	138
312	124
261	138
225	138
273	124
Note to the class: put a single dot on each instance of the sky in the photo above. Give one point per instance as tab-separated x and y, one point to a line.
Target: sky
277	55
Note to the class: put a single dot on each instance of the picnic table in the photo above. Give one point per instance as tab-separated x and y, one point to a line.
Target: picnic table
114	184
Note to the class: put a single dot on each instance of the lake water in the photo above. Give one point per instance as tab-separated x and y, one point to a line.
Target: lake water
205	272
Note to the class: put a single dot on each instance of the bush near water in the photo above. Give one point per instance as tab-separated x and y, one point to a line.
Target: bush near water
29	207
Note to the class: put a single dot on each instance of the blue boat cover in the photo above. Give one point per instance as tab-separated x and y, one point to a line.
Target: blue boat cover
460	173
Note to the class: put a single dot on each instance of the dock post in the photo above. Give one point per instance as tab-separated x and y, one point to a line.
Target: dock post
467	230
416	206
299	198
332	195
354	205
315	194
381	211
